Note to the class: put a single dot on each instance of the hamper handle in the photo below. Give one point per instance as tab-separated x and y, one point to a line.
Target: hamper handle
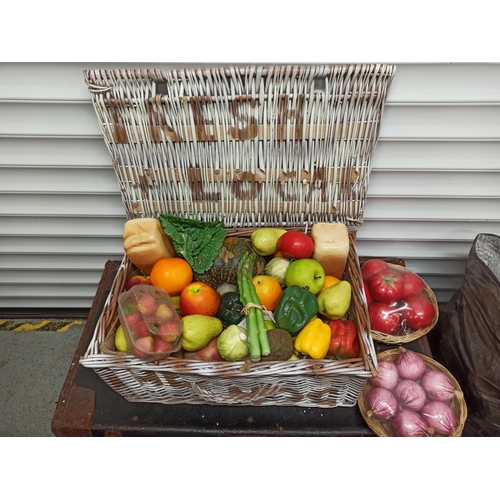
265	391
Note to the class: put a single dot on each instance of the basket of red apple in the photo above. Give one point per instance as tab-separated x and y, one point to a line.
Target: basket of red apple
401	305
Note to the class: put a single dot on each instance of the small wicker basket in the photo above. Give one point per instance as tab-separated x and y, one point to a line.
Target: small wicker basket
384	338
283	146
458	404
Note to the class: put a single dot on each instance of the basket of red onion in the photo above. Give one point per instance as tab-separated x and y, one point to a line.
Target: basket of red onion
412	396
401	305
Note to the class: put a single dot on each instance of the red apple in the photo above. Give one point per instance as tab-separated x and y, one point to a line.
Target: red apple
137	280
133	319
140	329
170	331
161	346
147	305
144	347
165	313
199	298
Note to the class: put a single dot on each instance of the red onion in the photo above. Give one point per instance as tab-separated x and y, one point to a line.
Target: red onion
410	395
440	417
382	403
410	365
388	375
438	385
409	423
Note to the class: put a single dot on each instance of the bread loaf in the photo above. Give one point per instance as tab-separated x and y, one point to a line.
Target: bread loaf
331	247
145	242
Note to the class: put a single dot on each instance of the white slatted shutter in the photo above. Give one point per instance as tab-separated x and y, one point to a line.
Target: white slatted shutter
434	184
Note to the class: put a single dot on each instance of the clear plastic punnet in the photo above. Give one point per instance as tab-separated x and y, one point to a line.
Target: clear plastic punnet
150	322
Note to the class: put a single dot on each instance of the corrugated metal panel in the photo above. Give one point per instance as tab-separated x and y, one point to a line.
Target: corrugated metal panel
434	183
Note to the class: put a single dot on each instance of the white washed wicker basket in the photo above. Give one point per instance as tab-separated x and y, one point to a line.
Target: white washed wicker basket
252	146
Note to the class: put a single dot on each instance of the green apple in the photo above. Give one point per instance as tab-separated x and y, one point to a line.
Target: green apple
306	273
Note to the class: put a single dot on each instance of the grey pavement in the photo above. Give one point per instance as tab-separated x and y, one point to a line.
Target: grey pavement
33	368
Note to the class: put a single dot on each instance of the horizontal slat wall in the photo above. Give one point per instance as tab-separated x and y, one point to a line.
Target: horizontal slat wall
434	184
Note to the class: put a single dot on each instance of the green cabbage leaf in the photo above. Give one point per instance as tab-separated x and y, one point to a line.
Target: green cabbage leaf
196	241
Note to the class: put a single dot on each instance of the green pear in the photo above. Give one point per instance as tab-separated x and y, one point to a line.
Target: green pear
120	341
335	300
265	240
198	330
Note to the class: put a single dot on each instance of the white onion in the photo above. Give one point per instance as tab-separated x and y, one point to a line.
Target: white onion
410	365
382	403
387	377
438	385
410	395
440	417
409	423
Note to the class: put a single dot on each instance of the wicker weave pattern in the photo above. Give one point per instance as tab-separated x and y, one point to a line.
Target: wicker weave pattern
311	383
252	146
280	146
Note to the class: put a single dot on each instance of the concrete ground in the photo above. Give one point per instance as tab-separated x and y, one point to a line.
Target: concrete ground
35	356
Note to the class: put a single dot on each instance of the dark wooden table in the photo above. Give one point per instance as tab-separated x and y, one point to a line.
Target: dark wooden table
87	406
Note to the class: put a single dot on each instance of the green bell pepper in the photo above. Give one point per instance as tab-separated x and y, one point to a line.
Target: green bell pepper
295	309
230	309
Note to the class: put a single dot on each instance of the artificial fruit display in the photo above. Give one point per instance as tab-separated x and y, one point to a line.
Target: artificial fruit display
275	279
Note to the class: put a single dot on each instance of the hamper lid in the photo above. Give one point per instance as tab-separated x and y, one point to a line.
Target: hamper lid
251	146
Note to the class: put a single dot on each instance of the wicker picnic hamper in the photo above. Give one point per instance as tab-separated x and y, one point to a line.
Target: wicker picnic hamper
252	146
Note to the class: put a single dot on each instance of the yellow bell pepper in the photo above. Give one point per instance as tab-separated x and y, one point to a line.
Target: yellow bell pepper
314	339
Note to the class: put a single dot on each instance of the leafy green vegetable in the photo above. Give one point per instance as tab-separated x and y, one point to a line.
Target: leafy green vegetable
197	241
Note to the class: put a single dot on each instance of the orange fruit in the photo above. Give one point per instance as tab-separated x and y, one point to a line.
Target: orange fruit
329	281
172	274
268	291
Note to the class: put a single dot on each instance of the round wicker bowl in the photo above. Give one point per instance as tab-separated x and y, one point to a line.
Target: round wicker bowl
388	339
458	404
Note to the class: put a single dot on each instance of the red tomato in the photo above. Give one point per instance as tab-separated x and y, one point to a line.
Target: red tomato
373	266
413	285
417	312
369	298
295	245
384	317
387	287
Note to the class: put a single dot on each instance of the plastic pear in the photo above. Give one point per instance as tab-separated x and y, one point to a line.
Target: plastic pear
334	301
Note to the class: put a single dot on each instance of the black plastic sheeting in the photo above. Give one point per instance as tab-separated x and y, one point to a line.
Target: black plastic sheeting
468	336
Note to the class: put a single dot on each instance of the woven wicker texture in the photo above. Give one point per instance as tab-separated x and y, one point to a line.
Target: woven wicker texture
250	146
312	383
458	404
279	146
